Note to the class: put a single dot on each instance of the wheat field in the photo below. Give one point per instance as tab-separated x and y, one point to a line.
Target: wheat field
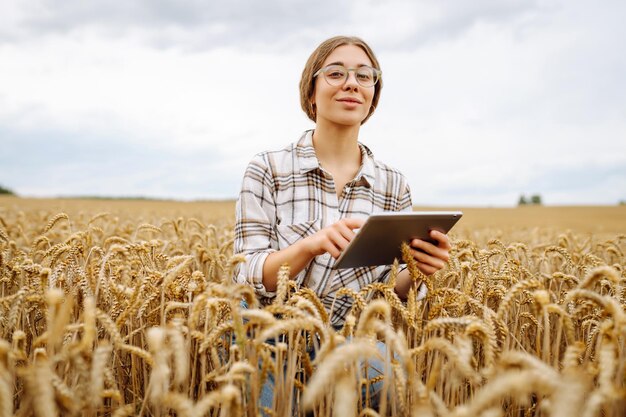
126	308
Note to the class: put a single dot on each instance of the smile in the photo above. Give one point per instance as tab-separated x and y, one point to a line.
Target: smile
350	100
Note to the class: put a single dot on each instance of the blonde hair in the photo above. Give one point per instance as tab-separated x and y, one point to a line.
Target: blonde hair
315	62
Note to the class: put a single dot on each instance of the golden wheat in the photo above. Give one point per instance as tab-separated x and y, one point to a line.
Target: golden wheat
118	314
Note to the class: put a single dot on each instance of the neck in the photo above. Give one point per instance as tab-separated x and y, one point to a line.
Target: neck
336	144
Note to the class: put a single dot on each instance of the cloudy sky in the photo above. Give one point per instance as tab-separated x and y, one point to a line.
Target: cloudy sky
483	100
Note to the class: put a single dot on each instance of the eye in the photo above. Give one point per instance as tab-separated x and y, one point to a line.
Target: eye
335	72
365	74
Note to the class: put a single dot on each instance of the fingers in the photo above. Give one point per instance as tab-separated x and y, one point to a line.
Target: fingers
347	231
427	248
338	240
340	234
442	238
334	238
352	223
427	269
428	260
331	249
431	258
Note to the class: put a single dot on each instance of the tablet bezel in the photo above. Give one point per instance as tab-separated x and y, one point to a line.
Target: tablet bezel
378	242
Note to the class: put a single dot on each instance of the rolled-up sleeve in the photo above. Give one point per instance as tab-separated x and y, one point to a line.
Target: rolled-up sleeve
255	216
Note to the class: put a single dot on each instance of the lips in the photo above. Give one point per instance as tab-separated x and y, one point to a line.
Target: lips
350	100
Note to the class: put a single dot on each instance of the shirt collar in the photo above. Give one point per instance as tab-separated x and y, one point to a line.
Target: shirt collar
307	160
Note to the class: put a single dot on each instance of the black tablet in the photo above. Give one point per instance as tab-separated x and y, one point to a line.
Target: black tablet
378	242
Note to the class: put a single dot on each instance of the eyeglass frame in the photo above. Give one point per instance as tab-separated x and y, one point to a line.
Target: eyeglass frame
378	73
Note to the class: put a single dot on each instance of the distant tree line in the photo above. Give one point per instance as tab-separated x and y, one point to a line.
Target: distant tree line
7	191
534	200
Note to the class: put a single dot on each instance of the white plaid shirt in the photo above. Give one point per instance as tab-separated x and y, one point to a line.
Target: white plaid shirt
286	195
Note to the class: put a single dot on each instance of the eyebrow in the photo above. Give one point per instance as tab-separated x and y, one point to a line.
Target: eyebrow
342	64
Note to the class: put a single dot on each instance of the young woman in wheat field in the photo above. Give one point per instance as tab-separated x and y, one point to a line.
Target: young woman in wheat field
300	205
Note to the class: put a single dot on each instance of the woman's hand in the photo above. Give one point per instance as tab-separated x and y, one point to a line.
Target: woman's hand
431	258
332	239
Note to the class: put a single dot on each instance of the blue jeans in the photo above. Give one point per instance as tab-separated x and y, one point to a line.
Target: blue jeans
375	368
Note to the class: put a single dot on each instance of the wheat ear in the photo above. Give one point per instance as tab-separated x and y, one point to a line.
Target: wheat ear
516	384
100	360
53	221
6	380
333	366
39	385
598	273
160	377
180	351
345	396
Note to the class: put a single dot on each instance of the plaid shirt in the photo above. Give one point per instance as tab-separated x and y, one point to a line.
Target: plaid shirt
286	195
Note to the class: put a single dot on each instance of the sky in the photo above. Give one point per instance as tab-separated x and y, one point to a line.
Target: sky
482	101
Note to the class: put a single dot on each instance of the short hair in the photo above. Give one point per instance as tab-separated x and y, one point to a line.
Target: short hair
315	62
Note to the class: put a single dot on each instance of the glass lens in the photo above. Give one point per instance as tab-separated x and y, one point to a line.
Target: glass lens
366	76
335	74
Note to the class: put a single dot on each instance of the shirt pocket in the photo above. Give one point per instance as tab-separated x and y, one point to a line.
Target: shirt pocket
288	234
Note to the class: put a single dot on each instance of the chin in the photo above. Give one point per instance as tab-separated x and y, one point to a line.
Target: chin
345	119
349	121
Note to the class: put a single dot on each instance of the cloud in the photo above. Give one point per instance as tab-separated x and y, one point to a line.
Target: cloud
482	100
168	23
169	99
61	164
267	25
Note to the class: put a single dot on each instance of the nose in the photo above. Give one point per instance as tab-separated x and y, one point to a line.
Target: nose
351	79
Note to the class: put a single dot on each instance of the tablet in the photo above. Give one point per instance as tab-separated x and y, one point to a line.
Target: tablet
378	242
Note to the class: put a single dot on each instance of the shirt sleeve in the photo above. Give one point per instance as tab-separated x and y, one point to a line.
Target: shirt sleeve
255	217
406	203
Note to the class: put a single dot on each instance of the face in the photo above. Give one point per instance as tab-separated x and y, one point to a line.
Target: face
349	103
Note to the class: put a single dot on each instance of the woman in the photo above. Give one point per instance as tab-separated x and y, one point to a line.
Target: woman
300	205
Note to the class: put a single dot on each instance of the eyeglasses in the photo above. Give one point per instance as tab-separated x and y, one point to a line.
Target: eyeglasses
336	75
